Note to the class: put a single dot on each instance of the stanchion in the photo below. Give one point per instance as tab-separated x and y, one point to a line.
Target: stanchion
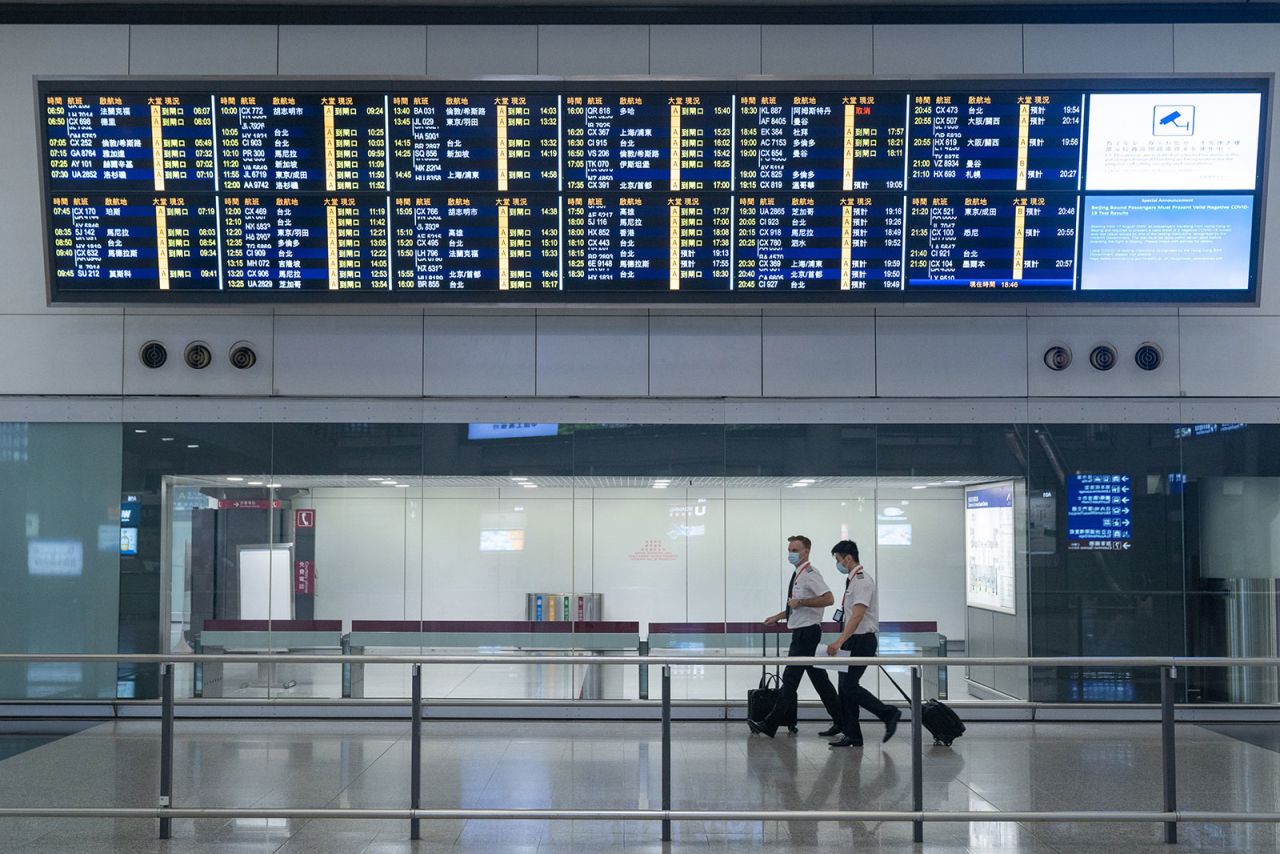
644	670
666	750
1168	759
917	756
166	747
415	754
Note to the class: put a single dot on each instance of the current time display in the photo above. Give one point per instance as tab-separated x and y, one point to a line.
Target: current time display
669	191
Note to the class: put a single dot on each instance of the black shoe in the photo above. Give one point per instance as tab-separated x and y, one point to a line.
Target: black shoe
891	725
834	729
845	742
761	728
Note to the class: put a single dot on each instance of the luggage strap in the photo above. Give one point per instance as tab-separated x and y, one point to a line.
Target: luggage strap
895	684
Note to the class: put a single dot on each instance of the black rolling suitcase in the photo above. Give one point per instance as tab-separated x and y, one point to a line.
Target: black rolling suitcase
936	716
762	698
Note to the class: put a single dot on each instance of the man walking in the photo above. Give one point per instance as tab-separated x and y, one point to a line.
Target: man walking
807	595
860	612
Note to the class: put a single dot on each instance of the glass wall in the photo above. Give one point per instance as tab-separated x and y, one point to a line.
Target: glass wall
985	539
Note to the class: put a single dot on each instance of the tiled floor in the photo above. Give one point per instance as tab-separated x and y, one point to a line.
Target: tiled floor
996	766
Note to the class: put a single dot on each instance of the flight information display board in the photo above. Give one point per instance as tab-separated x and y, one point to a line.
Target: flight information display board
665	192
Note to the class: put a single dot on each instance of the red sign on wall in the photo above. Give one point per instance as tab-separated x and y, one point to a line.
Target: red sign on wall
304	576
304	518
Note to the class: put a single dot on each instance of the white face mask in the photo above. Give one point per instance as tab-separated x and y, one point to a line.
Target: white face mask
793	558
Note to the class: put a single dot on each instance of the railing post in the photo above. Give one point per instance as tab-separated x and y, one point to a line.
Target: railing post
415	754
166	746
666	750
1168	758
917	756
644	670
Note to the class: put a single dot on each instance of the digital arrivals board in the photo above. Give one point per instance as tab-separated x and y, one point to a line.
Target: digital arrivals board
662	192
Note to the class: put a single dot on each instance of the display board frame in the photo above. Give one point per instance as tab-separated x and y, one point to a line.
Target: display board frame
1260	83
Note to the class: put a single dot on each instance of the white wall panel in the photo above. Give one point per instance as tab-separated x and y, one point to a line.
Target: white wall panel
1081	335
333	51
951	356
474	51
1095	410
1230	356
480	355
704	356
60	354
202	50
220	332
725	50
800	50
1098	48
915	51
345	355
584	49
819	356
591	355
26	51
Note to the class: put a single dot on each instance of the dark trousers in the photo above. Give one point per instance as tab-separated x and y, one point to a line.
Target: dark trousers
804	642
852	695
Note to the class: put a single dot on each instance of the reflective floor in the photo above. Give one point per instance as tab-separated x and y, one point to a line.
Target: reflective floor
996	766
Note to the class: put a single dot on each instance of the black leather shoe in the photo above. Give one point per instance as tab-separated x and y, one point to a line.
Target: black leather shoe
845	742
761	728
834	729
891	725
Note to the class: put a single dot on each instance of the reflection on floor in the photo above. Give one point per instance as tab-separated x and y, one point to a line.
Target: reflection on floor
1259	735
617	765
20	736
542	681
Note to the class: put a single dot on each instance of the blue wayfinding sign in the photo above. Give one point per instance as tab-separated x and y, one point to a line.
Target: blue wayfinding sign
1099	512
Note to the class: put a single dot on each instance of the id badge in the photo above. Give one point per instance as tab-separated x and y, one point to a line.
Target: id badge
838	616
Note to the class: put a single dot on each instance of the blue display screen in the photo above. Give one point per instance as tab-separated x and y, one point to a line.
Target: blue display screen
1087	189
1099	512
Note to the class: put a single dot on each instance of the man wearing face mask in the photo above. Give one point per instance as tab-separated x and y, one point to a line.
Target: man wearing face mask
807	595
860	611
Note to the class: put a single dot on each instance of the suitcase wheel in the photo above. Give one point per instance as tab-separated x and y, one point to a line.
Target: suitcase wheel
793	730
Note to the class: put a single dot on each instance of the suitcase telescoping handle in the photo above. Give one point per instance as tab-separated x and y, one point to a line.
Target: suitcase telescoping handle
764	652
895	684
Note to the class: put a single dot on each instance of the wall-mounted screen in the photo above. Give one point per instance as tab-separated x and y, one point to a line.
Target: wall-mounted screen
989	557
663	192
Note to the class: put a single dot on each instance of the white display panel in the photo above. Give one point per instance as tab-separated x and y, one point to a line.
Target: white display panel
1166	243
266	582
1173	141
989	558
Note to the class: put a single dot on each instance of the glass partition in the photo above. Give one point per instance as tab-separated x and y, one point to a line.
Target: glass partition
984	539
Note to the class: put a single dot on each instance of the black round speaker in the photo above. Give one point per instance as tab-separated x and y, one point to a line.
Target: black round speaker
1103	357
1148	356
242	356
197	355
153	354
1057	358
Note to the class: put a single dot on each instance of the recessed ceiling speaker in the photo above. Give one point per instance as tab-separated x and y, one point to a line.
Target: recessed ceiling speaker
197	355
153	354
1148	356
1103	357
242	356
1057	358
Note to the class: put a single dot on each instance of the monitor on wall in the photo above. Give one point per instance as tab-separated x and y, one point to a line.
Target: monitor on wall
663	192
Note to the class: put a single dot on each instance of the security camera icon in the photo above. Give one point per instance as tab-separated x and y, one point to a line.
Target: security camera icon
1173	120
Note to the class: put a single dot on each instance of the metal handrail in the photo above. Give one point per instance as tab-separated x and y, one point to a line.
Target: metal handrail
1170	816
709	660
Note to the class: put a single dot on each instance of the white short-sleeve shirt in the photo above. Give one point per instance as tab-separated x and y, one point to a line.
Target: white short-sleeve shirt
809	585
861	590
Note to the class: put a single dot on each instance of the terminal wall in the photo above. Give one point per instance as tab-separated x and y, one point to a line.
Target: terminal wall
895	353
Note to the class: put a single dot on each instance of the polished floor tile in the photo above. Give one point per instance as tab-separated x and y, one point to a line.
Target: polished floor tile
617	765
